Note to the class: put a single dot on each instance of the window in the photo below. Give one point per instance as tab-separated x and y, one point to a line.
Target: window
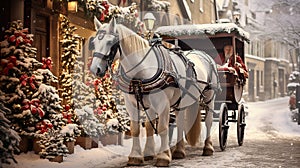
176	21
212	13
201	6
262	78
257	82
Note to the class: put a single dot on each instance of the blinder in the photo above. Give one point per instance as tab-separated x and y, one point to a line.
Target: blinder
113	50
91	43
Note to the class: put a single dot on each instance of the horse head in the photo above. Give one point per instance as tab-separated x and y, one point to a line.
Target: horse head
105	45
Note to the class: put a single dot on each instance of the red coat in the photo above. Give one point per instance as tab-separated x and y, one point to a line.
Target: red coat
221	61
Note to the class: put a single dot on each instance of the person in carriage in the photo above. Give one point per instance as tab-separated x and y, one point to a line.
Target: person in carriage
224	61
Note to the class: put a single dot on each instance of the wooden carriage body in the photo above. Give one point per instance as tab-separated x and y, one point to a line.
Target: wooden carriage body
211	38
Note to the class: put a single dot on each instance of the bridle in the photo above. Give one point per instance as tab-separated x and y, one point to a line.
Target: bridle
109	58
113	50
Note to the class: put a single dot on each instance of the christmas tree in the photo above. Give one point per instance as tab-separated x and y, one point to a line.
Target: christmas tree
9	139
18	83
70	42
112	110
70	132
91	125
83	95
34	105
104	11
52	145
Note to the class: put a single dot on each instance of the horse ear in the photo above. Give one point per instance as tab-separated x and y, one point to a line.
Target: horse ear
113	26
97	23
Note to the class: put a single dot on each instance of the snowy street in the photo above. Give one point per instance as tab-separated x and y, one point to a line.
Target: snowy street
271	140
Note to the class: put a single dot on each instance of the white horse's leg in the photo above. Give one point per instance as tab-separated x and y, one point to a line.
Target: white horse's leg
149	151
164	156
135	157
208	149
179	151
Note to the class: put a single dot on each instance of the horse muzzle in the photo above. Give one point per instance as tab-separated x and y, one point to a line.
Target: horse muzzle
100	73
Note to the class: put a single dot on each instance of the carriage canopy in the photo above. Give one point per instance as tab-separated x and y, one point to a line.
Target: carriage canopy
210	38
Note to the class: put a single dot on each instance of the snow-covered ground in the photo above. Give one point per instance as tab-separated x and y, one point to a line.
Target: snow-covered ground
265	119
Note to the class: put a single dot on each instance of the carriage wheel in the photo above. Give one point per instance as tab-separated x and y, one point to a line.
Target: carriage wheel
241	124
238	92
223	126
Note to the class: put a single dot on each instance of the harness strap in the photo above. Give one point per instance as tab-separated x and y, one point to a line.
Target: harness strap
139	99
146	55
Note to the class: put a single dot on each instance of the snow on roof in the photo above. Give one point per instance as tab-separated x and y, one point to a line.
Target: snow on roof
201	29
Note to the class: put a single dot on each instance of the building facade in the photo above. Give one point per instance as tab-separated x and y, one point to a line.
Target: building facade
267	59
42	17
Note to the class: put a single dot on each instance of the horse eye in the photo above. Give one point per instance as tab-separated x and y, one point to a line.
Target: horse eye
100	36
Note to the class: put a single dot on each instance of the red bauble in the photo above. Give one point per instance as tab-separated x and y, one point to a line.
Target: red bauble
13	59
12	38
41	113
50	125
34	111
10	65
67	107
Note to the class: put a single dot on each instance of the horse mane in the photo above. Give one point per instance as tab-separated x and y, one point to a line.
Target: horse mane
131	41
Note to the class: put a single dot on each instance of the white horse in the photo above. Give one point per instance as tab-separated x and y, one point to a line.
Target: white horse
155	80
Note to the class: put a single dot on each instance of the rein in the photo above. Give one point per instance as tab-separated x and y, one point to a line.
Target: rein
146	55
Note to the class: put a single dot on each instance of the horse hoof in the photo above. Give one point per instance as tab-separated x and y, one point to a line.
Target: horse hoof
178	155
162	163
207	152
135	161
147	158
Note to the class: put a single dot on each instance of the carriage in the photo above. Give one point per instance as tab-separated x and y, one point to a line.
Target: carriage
211	38
155	79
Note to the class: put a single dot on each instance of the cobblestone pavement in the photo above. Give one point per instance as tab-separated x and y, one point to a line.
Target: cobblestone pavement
264	146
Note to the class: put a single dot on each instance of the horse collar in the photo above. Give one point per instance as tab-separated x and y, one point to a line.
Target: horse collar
162	79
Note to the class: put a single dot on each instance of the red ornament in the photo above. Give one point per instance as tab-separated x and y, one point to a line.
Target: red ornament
67	107
17	33
10	65
25	30
13	60
50	125
18	42
34	111
102	17
12	38
41	113
47	63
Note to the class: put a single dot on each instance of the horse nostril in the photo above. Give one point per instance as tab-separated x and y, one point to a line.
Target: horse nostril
98	70
100	73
